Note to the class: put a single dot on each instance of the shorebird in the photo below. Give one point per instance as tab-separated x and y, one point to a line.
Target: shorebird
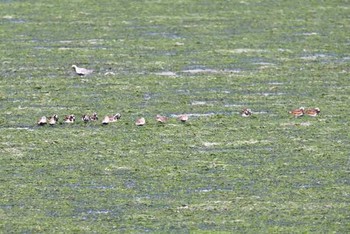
94	117
183	118
42	121
246	112
140	122
313	112
53	120
87	118
161	119
105	120
69	119
111	118
81	71
297	112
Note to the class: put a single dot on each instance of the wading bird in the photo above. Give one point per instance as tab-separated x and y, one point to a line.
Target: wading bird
111	118
297	112
246	112
53	120
42	121
140	122
183	118
313	112
69	119
161	119
87	118
81	71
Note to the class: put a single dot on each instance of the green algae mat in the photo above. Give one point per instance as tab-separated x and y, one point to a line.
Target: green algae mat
209	59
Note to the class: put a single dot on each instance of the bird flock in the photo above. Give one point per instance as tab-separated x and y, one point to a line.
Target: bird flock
52	120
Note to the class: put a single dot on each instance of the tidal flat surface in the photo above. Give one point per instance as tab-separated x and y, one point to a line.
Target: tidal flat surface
269	173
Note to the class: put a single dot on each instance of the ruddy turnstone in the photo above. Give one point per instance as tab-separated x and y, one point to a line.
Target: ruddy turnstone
140	122
87	118
312	112
42	121
161	119
94	117
246	112
53	120
81	71
297	112
69	119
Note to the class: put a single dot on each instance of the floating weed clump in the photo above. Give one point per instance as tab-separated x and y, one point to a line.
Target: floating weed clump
218	171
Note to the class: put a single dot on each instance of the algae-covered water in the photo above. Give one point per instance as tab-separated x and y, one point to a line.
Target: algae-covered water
268	173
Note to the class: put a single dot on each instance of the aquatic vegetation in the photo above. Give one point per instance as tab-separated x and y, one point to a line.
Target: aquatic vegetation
269	172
